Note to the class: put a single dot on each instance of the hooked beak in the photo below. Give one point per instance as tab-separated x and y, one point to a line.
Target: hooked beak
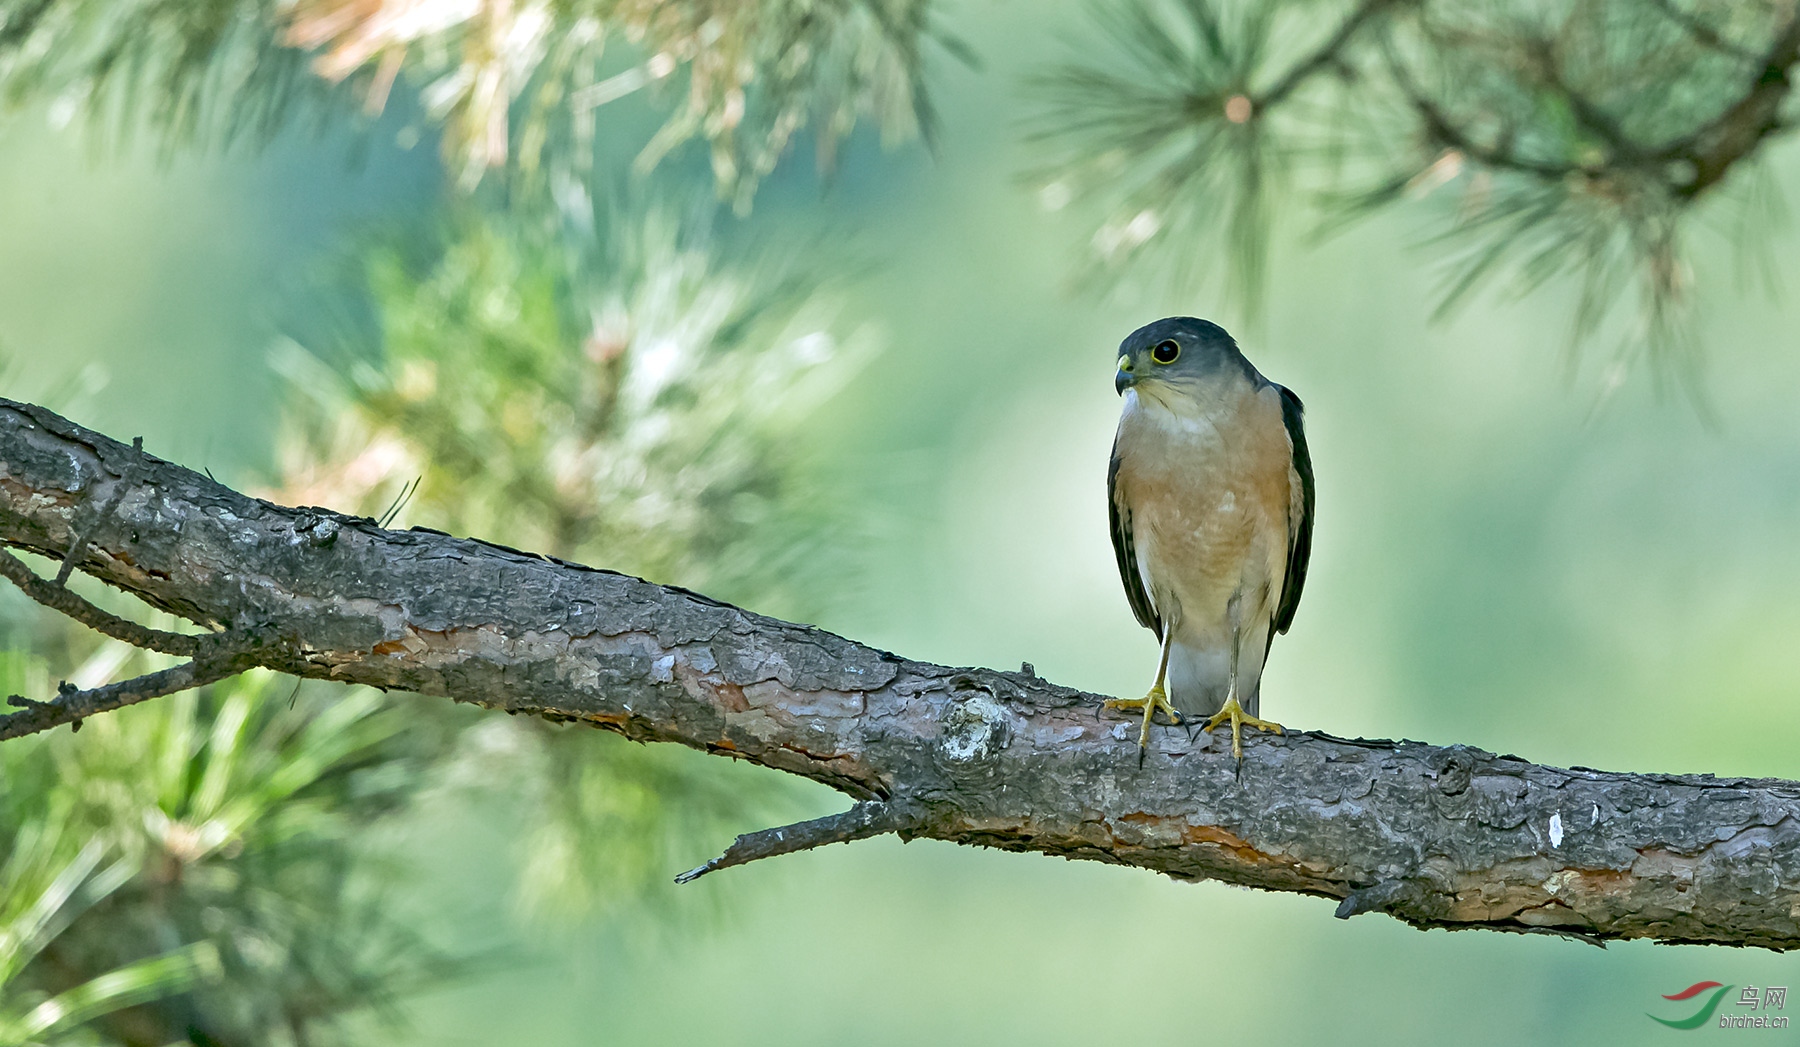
1124	379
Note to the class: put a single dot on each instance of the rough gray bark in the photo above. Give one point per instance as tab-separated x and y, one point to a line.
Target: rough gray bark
1437	837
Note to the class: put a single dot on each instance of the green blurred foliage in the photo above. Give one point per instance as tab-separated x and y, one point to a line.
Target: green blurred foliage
239	826
1135	131
53	874
602	825
607	389
599	383
1566	142
522	80
511	86
604	386
210	72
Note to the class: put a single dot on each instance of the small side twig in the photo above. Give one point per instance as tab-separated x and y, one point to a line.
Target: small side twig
870	818
1592	118
78	546
1326	56
1443	132
1702	33
1740	128
72	706
54	596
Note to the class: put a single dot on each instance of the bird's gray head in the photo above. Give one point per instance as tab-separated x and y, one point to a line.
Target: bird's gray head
1177	351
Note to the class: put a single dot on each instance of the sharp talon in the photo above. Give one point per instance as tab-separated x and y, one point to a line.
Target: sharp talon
1150	703
1234	713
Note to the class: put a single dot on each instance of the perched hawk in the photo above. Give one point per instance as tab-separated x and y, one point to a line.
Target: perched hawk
1211	499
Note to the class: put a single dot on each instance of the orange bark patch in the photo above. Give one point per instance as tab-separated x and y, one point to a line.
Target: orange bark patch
1220	838
731	698
1603	880
1211	834
1565	897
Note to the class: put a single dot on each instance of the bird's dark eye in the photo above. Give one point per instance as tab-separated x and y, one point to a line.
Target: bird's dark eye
1166	352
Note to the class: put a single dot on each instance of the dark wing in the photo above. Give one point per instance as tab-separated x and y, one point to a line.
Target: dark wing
1120	519
1299	530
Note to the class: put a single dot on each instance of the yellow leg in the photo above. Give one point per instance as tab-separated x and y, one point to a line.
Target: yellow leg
1239	720
1156	699
1150	703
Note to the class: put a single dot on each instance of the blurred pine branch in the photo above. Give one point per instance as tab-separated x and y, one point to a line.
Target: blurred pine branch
603	385
602	382
238	901
512	86
1575	141
596	380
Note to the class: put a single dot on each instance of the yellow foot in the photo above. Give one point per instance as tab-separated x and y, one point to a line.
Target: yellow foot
1239	720
1150	703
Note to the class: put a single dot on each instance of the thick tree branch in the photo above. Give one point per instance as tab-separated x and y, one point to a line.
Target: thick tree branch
1438	837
